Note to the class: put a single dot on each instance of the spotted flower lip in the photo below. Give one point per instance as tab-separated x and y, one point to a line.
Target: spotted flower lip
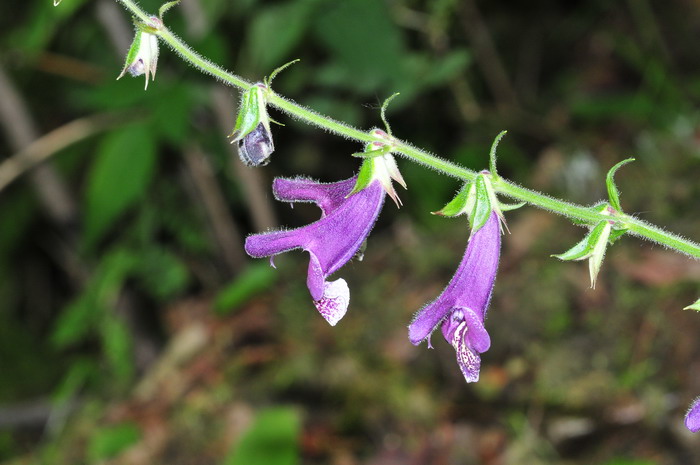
461	308
333	240
692	417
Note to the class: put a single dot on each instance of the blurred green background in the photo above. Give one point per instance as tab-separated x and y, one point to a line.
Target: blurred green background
134	330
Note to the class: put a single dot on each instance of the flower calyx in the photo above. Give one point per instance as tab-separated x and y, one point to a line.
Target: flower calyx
594	245
477	200
142	57
379	165
252	129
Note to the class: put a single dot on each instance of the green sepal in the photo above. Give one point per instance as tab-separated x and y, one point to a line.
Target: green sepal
615	234
506	207
364	177
458	204
165	7
482	205
613	192
249	113
695	306
584	248
492	153
369	154
133	50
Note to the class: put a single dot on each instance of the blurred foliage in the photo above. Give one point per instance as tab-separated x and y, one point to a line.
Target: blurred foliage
154	345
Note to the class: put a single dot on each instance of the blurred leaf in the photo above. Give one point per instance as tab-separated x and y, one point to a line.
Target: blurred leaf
635	107
363	40
161	273
117	347
255	279
272	439
76	377
42	25
172	113
80	316
276	31
118	178
107	443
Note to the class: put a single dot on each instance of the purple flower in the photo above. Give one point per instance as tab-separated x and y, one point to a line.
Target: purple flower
692	418
461	307
345	223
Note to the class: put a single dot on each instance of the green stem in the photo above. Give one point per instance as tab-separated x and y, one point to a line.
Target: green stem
587	215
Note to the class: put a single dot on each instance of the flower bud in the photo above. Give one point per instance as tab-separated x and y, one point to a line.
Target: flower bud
142	57
252	128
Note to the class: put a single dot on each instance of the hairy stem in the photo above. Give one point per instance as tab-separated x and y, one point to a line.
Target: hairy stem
585	214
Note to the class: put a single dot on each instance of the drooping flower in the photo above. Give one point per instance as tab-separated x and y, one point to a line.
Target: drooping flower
461	308
346	220
142	57
692	417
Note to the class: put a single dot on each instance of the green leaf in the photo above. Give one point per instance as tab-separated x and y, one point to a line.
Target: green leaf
482	206
106	443
458	204
584	248
118	179
695	306
254	280
272	439
613	193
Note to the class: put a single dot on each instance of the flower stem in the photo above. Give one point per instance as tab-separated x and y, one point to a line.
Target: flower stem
584	214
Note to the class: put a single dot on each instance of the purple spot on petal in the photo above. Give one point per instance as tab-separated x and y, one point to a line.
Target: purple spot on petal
334	303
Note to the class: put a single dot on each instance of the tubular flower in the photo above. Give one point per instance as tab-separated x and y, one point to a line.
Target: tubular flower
346	220
692	418
461	308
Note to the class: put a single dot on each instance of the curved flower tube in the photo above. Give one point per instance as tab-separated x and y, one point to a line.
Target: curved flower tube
692	417
346	221
461	308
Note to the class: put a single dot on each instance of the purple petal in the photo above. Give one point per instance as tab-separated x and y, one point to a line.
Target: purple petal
692	417
470	287
327	196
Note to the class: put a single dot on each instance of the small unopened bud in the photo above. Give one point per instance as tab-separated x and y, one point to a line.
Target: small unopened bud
142	57
252	130
256	147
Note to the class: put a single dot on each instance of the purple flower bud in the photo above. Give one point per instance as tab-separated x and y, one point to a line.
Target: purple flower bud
461	308
256	147
346	221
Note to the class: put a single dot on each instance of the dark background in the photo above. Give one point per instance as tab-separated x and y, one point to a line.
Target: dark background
134	330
